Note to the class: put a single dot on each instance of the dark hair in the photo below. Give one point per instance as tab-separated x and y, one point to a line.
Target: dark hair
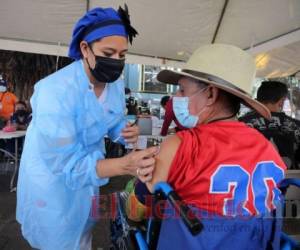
127	91
234	102
164	100
271	91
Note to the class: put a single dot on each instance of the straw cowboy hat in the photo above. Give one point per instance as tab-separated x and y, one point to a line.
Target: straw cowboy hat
224	66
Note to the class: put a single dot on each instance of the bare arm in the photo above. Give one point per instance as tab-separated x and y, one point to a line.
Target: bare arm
136	210
164	160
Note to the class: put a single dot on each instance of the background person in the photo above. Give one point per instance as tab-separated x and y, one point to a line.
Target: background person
18	121
282	130
7	101
21	117
131	103
169	116
163	101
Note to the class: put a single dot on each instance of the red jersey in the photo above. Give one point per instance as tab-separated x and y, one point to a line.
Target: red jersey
227	168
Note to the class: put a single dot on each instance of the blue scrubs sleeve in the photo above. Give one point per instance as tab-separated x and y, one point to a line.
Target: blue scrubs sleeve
62	144
116	104
115	133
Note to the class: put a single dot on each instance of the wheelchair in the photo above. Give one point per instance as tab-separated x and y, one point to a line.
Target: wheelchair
127	235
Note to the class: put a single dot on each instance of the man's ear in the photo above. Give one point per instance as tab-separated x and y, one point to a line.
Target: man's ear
84	49
212	95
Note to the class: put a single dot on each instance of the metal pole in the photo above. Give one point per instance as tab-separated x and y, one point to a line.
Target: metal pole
87	5
220	21
16	165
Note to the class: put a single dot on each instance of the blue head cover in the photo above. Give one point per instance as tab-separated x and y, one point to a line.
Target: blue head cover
98	23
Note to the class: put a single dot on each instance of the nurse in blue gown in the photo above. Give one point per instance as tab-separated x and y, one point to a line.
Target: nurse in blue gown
63	162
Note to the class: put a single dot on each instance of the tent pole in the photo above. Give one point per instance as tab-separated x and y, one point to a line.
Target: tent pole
87	5
220	21
274	38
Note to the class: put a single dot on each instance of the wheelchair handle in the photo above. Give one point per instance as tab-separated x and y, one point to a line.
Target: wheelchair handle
289	181
284	185
186	213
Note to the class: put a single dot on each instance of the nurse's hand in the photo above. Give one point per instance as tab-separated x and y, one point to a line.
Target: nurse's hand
131	133
141	163
137	163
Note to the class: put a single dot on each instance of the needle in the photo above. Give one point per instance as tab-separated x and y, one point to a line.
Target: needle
135	122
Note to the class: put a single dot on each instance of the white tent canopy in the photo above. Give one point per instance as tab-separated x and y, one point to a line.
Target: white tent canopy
169	30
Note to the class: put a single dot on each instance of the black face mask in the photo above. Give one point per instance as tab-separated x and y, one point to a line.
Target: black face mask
107	69
21	112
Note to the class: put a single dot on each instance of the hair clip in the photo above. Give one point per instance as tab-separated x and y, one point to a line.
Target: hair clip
124	15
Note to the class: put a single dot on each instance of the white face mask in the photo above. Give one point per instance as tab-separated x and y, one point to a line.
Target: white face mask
182	113
3	88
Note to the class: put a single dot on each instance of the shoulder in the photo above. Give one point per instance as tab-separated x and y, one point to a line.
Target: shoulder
58	90
164	160
249	116
295	121
170	145
61	79
61	83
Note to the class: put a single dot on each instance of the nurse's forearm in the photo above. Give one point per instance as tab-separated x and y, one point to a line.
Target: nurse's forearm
129	164
111	167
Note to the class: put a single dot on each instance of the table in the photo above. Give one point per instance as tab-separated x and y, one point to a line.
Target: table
12	135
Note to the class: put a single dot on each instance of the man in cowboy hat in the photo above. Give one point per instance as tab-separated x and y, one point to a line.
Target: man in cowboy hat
220	166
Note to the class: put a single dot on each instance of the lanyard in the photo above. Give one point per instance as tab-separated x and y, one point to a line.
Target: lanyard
222	118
